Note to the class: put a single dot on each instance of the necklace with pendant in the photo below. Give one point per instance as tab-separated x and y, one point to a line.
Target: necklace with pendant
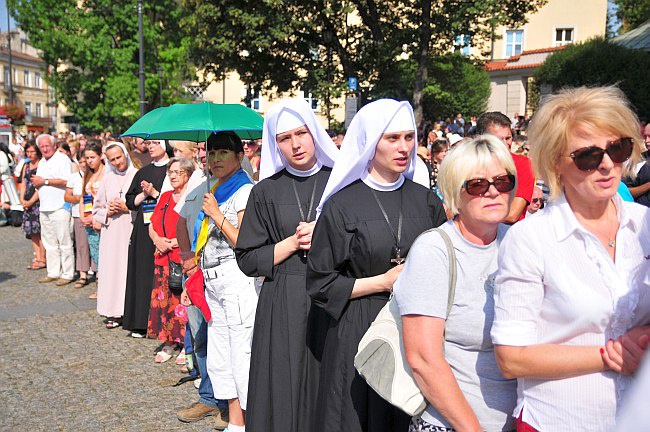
397	258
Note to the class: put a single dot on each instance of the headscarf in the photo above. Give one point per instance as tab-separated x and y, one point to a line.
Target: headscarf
287	115
360	143
129	166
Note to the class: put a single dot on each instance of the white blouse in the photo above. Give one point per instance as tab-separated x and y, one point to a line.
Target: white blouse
557	284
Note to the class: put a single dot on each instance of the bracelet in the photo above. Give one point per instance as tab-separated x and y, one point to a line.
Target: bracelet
222	222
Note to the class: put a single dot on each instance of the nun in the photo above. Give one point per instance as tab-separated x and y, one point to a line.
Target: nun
369	215
297	158
141	197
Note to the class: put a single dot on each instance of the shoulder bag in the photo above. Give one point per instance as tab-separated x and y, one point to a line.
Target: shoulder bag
175	279
381	359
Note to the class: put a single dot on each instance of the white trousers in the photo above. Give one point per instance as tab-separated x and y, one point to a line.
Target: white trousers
56	233
232	298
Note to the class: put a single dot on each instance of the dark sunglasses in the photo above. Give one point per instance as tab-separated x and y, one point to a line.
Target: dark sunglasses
589	158
479	186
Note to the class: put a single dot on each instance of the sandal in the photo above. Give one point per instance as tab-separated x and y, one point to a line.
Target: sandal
36	266
180	360
93	296
164	354
81	282
113	323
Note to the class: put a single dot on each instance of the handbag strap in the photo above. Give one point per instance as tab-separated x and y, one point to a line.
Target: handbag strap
451	253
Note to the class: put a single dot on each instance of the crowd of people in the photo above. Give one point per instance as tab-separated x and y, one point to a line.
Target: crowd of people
259	266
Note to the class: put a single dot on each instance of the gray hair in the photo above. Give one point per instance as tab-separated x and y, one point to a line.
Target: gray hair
48	136
184	164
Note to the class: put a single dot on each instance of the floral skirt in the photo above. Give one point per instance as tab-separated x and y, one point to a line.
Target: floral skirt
167	316
31	221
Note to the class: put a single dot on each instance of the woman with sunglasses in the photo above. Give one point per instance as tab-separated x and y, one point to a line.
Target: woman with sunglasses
576	275
454	365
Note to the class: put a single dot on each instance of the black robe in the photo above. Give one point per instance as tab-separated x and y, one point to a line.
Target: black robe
289	332
352	240
139	276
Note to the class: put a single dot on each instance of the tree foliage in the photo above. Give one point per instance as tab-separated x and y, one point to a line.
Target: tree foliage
455	84
632	13
318	44
91	48
599	62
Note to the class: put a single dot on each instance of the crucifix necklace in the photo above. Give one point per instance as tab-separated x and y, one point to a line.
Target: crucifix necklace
311	204
397	258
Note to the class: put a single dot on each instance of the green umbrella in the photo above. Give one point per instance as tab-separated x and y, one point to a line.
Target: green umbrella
195	122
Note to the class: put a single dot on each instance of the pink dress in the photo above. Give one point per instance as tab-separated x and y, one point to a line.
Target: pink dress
113	244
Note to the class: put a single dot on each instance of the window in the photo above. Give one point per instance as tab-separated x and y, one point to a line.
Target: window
563	36
39	110
6	76
28	80
37	80
28	108
312	101
514	42
462	44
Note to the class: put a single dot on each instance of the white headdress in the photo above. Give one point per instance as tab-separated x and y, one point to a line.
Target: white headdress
360	143
287	115
112	169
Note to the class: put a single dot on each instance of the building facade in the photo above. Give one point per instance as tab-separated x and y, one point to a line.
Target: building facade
27	83
519	51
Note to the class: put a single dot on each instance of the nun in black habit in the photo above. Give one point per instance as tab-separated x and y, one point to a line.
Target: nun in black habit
147	185
297	156
371	214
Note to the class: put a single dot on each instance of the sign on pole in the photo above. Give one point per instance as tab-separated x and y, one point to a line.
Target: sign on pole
352	83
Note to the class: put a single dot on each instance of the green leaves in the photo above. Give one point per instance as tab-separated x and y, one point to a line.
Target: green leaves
600	62
92	47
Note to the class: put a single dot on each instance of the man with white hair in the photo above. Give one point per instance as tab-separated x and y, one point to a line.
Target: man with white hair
51	179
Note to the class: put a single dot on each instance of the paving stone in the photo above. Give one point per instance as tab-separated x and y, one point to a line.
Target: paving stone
62	370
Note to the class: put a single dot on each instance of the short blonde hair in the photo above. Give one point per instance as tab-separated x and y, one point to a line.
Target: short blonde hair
190	145
465	159
596	109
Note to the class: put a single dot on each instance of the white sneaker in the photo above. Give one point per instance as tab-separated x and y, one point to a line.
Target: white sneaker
197	383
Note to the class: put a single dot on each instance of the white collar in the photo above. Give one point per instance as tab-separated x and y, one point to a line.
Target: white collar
159	163
308	173
381	186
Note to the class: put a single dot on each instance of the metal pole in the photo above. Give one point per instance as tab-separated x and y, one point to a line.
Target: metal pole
160	78
143	102
11	68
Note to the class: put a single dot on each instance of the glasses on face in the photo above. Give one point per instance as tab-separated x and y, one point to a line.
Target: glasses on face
480	186
175	172
589	158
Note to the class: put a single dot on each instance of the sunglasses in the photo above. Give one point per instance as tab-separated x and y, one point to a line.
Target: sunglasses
479	186
589	158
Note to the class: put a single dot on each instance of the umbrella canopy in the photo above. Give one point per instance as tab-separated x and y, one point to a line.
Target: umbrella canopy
195	122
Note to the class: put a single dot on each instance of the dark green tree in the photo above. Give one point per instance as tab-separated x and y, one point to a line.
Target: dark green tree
318	44
455	84
632	13
91	49
599	62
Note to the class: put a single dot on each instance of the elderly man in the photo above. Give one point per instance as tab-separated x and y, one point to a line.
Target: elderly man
498	124
52	176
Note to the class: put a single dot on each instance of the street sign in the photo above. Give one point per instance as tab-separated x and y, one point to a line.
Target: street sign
352	83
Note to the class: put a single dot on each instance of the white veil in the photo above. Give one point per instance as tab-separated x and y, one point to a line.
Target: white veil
361	139
272	160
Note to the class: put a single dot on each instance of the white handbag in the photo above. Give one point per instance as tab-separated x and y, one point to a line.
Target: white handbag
381	359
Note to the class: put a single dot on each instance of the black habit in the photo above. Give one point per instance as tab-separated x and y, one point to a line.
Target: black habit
352	240
289	332
139	277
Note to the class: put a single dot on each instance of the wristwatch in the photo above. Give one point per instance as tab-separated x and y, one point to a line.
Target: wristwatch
47	182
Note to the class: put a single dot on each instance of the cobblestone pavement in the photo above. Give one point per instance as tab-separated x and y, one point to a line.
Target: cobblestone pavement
62	370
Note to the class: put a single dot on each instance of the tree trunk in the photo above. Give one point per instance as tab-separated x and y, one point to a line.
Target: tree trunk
423	63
